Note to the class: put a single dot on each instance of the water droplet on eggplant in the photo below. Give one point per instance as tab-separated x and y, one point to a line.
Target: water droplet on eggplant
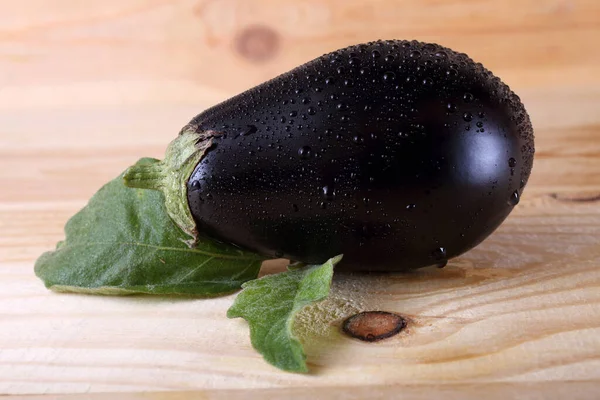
305	152
514	198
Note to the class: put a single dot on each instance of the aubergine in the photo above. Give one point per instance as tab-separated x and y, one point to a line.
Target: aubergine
397	154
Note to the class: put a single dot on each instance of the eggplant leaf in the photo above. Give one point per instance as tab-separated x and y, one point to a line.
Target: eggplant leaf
269	304
124	242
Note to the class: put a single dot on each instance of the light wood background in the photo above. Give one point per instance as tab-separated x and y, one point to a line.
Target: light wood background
86	88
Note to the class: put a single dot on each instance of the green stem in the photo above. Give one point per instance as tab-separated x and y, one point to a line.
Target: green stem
171	175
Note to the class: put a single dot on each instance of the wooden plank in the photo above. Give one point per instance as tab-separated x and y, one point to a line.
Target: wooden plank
86	89
575	390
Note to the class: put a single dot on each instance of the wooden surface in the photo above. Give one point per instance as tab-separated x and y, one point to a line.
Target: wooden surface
86	88
572	390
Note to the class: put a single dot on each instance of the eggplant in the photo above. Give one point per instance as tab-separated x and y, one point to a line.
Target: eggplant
397	154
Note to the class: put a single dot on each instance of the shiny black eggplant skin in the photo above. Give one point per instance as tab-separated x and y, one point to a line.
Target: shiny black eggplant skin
397	154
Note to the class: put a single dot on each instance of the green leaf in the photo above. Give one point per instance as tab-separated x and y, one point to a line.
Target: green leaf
270	304
124	242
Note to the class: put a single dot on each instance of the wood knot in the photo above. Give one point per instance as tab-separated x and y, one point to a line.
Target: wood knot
372	326
257	43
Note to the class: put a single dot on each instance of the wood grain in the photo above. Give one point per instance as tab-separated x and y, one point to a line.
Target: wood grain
86	89
575	390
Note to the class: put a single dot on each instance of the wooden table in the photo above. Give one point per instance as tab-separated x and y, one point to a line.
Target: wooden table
88	87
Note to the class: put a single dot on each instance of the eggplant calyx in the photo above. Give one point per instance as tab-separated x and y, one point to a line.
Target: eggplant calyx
170	175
